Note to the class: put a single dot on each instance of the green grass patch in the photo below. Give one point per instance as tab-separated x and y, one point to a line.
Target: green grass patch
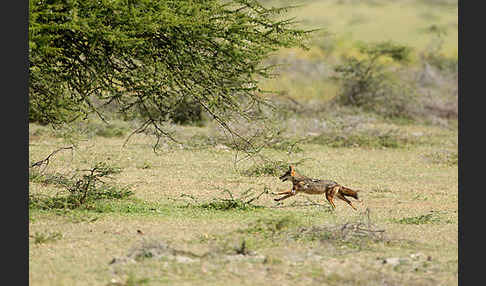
46	237
111	131
446	157
69	200
421	219
245	201
129	206
274	230
269	226
132	280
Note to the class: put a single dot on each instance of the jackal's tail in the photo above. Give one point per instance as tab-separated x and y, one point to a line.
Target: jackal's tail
348	192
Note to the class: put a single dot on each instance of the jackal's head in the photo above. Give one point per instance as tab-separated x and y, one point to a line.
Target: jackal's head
290	173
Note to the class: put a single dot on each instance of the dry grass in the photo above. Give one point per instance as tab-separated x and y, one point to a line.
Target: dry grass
399	185
404	22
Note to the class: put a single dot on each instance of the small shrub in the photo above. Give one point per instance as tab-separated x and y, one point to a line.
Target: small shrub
244	202
353	234
242	248
40	237
227	204
270	168
82	191
188	112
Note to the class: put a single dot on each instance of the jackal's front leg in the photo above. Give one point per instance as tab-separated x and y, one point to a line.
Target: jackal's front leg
330	195
283	193
287	194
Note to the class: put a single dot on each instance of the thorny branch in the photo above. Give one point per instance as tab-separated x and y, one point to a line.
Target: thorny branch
265	191
46	160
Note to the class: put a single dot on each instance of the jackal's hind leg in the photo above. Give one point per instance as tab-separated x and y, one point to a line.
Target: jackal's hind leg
341	196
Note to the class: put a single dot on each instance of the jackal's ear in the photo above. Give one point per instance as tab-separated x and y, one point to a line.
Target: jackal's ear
291	170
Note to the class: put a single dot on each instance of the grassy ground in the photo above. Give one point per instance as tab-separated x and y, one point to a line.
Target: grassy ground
176	230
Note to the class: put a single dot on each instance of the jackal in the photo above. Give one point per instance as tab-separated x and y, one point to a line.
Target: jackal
307	185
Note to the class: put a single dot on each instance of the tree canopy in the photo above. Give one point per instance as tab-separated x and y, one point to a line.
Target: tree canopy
150	56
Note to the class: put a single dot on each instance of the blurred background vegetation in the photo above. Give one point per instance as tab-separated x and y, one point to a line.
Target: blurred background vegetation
367	61
427	30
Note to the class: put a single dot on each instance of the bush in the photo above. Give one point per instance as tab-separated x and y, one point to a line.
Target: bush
369	83
82	190
187	112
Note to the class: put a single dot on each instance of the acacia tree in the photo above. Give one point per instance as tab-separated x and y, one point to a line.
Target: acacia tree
150	56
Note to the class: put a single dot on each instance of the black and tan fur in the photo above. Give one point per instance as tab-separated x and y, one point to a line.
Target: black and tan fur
307	185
